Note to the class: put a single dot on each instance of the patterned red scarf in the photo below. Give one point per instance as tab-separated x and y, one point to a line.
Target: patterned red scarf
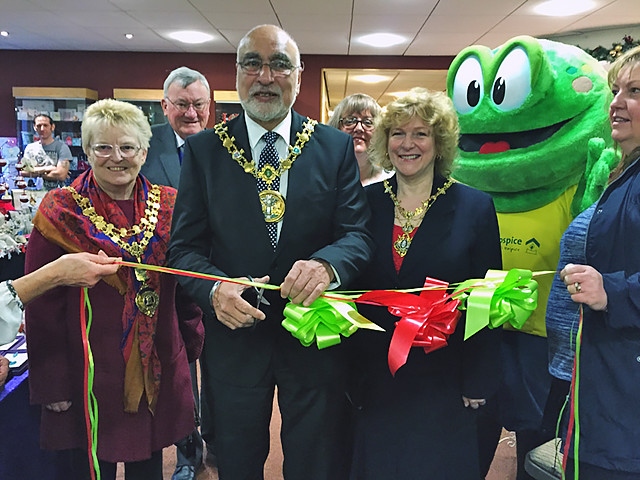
62	222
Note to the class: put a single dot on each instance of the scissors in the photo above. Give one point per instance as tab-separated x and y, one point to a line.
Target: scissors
255	296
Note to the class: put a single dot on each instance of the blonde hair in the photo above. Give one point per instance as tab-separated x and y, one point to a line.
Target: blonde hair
630	58
114	113
436	110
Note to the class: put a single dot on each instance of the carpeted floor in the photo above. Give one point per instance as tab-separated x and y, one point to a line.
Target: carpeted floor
502	468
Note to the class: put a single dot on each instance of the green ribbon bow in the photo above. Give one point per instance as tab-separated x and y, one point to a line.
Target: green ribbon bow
498	298
324	321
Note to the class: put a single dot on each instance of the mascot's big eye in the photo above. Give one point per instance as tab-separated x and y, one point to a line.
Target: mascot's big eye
512	85
468	86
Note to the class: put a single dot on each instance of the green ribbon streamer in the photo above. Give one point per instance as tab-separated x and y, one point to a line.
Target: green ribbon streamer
499	298
91	397
322	322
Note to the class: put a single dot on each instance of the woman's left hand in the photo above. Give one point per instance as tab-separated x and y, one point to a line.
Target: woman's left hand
584	284
474	403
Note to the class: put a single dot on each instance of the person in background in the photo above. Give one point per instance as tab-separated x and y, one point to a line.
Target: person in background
49	155
251	205
77	269
356	116
607	285
144	329
186	102
421	422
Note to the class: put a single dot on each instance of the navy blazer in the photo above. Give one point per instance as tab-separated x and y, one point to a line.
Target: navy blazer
162	166
457	240
218	228
610	353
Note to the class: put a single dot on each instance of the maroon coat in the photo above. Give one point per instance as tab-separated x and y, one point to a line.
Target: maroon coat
56	366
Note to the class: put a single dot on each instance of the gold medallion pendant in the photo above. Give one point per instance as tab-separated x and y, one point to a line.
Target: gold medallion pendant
147	300
271	201
273	205
402	244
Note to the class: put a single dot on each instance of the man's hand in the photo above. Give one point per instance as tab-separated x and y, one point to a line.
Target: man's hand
474	403
234	311
306	281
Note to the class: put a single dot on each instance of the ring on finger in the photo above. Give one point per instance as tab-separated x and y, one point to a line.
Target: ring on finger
577	286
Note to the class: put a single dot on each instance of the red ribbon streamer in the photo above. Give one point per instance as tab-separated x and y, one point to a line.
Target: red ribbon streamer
426	320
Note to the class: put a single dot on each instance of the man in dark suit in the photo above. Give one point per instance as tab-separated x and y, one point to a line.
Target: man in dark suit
275	196
186	101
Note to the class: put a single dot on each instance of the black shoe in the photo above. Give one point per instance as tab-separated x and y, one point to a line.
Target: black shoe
189	451
184	472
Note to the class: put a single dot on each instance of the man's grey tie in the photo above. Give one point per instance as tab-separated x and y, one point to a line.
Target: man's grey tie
269	155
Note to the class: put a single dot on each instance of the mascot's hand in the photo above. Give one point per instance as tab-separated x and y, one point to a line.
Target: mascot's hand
600	163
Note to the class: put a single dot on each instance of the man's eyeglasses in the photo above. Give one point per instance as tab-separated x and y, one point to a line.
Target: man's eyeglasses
199	106
105	150
278	67
349	123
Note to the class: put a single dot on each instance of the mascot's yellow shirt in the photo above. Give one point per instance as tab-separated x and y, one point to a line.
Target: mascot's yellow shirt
531	240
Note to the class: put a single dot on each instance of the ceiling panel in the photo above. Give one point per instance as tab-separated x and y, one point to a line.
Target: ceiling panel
331	27
343	82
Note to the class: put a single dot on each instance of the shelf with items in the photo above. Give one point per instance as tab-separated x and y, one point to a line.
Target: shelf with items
65	106
146	99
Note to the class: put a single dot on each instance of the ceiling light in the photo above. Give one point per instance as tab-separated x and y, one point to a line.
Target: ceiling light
191	36
382	39
564	8
128	36
370	78
4	33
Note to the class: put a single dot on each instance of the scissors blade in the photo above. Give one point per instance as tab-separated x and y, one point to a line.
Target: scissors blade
261	299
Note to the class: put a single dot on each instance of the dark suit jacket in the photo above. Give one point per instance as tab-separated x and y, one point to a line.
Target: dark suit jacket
457	240
163	164
218	228
420	409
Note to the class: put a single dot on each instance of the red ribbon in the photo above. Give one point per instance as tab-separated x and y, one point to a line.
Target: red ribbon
426	320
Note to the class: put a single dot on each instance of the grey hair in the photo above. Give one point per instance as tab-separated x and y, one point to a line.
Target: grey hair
247	38
185	76
355	103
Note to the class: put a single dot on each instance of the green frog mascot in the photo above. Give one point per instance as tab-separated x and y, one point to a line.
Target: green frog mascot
535	135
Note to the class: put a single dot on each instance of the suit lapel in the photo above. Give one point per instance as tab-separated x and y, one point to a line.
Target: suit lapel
296	126
169	159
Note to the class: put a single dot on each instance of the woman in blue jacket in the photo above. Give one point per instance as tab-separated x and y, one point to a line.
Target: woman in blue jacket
609	289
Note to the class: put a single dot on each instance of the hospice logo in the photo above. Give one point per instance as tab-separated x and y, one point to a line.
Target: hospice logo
515	244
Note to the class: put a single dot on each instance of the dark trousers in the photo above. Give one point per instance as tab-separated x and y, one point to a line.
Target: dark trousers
150	469
313	419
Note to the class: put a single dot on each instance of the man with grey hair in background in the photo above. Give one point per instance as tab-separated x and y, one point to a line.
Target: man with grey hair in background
186	102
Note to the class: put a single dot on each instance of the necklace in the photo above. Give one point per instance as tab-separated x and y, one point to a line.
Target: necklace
271	201
403	242
147	299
